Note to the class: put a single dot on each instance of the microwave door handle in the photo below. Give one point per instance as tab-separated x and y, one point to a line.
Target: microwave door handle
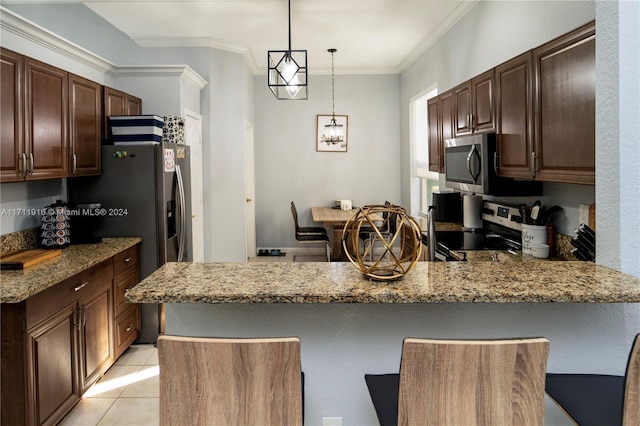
182	218
469	156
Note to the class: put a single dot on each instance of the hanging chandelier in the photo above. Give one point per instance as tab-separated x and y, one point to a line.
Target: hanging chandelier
287	71
333	132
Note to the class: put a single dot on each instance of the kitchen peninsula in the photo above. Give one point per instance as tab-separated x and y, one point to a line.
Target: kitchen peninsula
350	326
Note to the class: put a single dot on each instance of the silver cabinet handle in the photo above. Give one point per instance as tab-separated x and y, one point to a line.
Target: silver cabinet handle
31	161
129	328
81	286
128	259
74	165
495	162
533	161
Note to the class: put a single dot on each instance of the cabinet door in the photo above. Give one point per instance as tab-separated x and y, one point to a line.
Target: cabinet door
482	105
46	120
118	103
462	109
52	379
433	130
12	154
514	115
444	127
134	105
565	108
96	335
85	125
446	121
114	104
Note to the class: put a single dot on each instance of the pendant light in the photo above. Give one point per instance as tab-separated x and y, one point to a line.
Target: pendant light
287	71
333	132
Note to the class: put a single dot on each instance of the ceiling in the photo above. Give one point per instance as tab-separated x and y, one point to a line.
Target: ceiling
372	36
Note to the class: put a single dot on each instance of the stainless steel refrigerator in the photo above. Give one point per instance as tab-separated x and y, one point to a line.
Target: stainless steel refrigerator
145	192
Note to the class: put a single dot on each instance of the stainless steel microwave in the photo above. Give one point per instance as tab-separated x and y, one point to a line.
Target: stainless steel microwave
471	166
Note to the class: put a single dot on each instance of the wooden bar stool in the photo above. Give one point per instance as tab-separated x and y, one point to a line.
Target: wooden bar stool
217	381
464	382
599	399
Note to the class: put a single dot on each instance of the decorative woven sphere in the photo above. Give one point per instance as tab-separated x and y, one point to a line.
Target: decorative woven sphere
382	241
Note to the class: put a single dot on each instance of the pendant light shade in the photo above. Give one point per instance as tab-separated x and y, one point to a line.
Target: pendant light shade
287	71
333	132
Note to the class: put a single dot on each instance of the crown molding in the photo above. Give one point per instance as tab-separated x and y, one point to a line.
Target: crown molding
183	71
207	42
28	30
460	11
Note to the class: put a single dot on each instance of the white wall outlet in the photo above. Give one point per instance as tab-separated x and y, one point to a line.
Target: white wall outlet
584	214
332	421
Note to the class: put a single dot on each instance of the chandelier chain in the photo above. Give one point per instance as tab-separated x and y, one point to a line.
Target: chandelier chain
333	92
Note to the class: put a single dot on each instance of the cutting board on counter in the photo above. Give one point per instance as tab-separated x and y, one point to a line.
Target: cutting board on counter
23	259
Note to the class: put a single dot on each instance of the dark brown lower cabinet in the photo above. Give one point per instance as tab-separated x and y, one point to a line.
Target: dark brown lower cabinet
59	342
52	373
96	335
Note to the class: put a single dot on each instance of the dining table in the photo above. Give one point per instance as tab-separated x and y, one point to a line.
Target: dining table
334	219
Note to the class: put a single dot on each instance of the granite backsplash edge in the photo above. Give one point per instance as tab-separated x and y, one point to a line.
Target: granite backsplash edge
20	240
28	239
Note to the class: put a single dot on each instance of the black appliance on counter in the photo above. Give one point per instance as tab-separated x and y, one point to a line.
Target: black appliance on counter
85	218
502	230
447	206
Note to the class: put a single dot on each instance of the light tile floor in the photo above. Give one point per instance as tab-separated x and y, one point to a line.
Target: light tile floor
126	395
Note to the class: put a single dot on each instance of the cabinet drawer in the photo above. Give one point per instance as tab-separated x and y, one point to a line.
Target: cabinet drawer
127	327
53	299
125	259
123	282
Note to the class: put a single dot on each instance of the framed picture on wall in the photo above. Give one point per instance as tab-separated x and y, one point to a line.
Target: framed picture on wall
328	146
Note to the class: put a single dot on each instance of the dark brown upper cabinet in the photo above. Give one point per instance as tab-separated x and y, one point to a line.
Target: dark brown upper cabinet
433	134
53	122
474	106
514	117
13	165
46	121
440	127
85	119
117	102
564	107
34	119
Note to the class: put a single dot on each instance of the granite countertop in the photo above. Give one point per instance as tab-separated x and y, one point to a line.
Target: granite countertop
337	282
17	286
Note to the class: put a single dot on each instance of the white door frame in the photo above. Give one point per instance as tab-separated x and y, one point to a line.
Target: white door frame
250	184
193	138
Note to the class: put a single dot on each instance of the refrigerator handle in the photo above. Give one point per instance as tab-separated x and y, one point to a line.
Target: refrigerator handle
182	218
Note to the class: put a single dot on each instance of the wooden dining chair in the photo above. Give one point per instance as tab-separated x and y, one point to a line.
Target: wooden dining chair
464	382
599	399
220	381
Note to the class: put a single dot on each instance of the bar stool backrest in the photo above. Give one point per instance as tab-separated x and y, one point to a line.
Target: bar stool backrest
472	382
219	381
631	405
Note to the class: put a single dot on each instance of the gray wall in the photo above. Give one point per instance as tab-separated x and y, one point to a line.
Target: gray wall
618	147
288	167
